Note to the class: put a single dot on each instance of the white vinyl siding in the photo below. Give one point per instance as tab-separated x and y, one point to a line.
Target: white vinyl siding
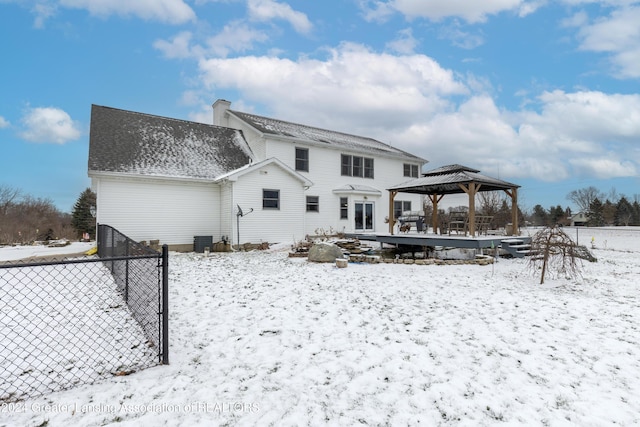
227	217
285	224
325	173
170	211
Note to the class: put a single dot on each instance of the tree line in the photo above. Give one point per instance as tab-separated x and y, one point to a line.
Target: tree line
25	219
599	209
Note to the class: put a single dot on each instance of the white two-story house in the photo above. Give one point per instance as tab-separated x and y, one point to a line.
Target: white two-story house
247	178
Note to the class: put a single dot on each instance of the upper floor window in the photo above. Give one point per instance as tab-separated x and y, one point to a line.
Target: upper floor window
410	170
270	199
356	166
368	167
302	159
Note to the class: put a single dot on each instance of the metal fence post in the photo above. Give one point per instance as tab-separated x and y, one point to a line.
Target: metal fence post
98	238
165	304
126	272
112	249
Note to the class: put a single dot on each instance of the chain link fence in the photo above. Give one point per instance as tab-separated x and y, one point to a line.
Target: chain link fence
78	320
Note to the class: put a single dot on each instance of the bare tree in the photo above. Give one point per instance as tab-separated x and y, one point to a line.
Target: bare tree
25	219
8	196
490	202
584	197
554	253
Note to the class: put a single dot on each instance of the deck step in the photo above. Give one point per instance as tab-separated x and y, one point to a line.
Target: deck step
517	247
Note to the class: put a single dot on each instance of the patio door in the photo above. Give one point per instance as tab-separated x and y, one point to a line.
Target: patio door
364	215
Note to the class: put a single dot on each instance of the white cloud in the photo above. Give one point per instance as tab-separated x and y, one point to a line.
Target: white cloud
169	11
618	35
43	11
352	85
177	47
49	124
460	38
578	19
236	36
604	168
405	43
470	11
4	123
582	134
592	116
267	10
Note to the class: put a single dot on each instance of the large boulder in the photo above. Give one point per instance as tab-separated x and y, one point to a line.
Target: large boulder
324	252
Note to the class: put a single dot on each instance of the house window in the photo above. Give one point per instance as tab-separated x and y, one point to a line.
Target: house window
302	159
368	167
356	166
344	208
270	199
410	170
346	165
313	204
400	206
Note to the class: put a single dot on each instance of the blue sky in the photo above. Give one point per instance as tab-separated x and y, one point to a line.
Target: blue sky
541	93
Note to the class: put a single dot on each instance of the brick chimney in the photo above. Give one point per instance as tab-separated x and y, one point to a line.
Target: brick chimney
220	108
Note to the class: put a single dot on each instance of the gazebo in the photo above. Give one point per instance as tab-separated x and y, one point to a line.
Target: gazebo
455	179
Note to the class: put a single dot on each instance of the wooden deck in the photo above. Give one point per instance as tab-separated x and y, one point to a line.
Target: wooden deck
518	243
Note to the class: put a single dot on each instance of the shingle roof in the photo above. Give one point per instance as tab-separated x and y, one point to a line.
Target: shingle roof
136	143
323	136
445	180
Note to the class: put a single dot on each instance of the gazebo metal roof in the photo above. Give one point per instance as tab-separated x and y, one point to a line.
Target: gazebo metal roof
447	180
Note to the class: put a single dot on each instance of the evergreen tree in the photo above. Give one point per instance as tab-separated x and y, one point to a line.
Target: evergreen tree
608	212
596	214
624	212
556	216
636	213
81	218
540	216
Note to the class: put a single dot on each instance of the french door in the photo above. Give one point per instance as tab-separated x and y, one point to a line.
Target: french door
364	215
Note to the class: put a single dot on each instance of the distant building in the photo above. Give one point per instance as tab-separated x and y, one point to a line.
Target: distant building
579	219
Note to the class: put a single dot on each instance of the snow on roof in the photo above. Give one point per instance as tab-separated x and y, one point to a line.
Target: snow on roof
135	143
323	136
357	189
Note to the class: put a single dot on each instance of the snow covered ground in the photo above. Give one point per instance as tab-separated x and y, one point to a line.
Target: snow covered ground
262	339
12	253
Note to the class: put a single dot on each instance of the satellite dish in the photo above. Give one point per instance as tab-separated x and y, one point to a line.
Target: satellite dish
240	213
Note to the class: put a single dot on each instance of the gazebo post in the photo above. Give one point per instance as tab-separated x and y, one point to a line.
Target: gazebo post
471	190
513	193
435	198
392	221
514	211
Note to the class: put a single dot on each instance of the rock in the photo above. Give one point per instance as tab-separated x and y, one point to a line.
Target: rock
324	252
341	263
